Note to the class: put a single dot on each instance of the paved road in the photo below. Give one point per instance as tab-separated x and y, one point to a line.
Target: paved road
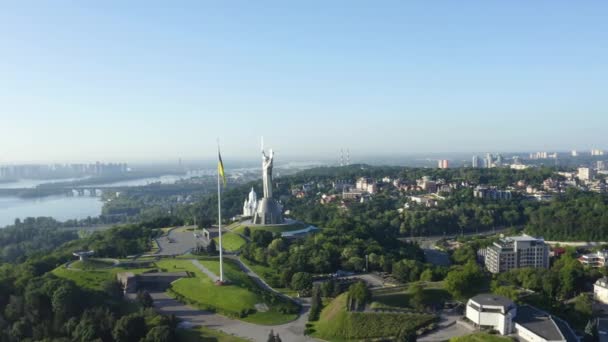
447	328
178	242
293	331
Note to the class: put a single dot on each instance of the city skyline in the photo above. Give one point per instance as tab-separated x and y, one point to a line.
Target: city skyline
134	83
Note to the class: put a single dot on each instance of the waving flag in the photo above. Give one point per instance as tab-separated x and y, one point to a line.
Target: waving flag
220	167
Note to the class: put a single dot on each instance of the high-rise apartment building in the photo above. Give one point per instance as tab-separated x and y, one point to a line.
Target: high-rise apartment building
585	173
475	162
516	252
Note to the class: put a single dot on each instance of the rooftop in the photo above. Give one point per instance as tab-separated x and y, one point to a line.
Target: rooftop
543	324
493	300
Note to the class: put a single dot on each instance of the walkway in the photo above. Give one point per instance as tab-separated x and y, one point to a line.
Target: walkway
256	277
292	331
205	270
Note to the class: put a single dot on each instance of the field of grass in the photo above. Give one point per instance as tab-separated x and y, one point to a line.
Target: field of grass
236	299
203	334
434	294
230	241
91	264
94	278
337	324
481	337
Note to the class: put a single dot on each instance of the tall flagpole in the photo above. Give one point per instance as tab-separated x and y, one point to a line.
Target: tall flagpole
219	215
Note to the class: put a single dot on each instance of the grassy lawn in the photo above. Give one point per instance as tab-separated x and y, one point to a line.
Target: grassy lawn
91	264
203	334
94	278
434	294
337	324
481	337
237	299
230	241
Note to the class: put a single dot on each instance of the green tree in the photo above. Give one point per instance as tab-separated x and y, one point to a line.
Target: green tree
301	281
66	301
316	304
417	299
426	275
129	328
161	333
583	305
465	281
358	295
407	270
144	298
113	288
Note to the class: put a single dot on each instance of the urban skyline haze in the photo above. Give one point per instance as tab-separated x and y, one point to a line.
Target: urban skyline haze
145	81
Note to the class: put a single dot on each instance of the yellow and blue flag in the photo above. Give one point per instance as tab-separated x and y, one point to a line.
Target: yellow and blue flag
220	167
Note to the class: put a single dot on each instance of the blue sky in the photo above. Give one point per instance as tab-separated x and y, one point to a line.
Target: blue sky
147	80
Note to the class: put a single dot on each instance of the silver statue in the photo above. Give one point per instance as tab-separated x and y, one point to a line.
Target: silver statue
267	173
268	210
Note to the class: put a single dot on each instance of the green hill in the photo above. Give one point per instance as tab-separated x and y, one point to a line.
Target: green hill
336	323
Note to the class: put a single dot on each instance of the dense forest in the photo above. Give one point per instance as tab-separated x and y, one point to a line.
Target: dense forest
31	237
38	306
575	216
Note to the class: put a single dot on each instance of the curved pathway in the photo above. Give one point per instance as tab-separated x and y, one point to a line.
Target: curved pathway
256	277
205	270
292	331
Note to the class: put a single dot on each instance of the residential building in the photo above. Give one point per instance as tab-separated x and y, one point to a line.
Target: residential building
443	164
430	200
517	252
518	166
597	259
342	185
597	152
574	153
484	192
475	162
600	290
525	322
600	165
366	184
489	162
585	173
426	184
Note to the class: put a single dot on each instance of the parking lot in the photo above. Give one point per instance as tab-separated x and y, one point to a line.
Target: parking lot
179	241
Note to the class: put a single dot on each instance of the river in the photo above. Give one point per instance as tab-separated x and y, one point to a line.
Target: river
59	207
66	207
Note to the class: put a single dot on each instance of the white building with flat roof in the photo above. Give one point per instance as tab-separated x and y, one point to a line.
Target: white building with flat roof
492	311
600	290
525	323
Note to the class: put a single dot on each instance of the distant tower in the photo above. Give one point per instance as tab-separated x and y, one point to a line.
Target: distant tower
341	157
475	162
499	159
489	160
347	157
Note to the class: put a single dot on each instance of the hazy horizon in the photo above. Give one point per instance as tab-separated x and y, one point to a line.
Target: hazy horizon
141	82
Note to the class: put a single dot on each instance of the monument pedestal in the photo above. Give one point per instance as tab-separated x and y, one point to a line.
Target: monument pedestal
268	212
